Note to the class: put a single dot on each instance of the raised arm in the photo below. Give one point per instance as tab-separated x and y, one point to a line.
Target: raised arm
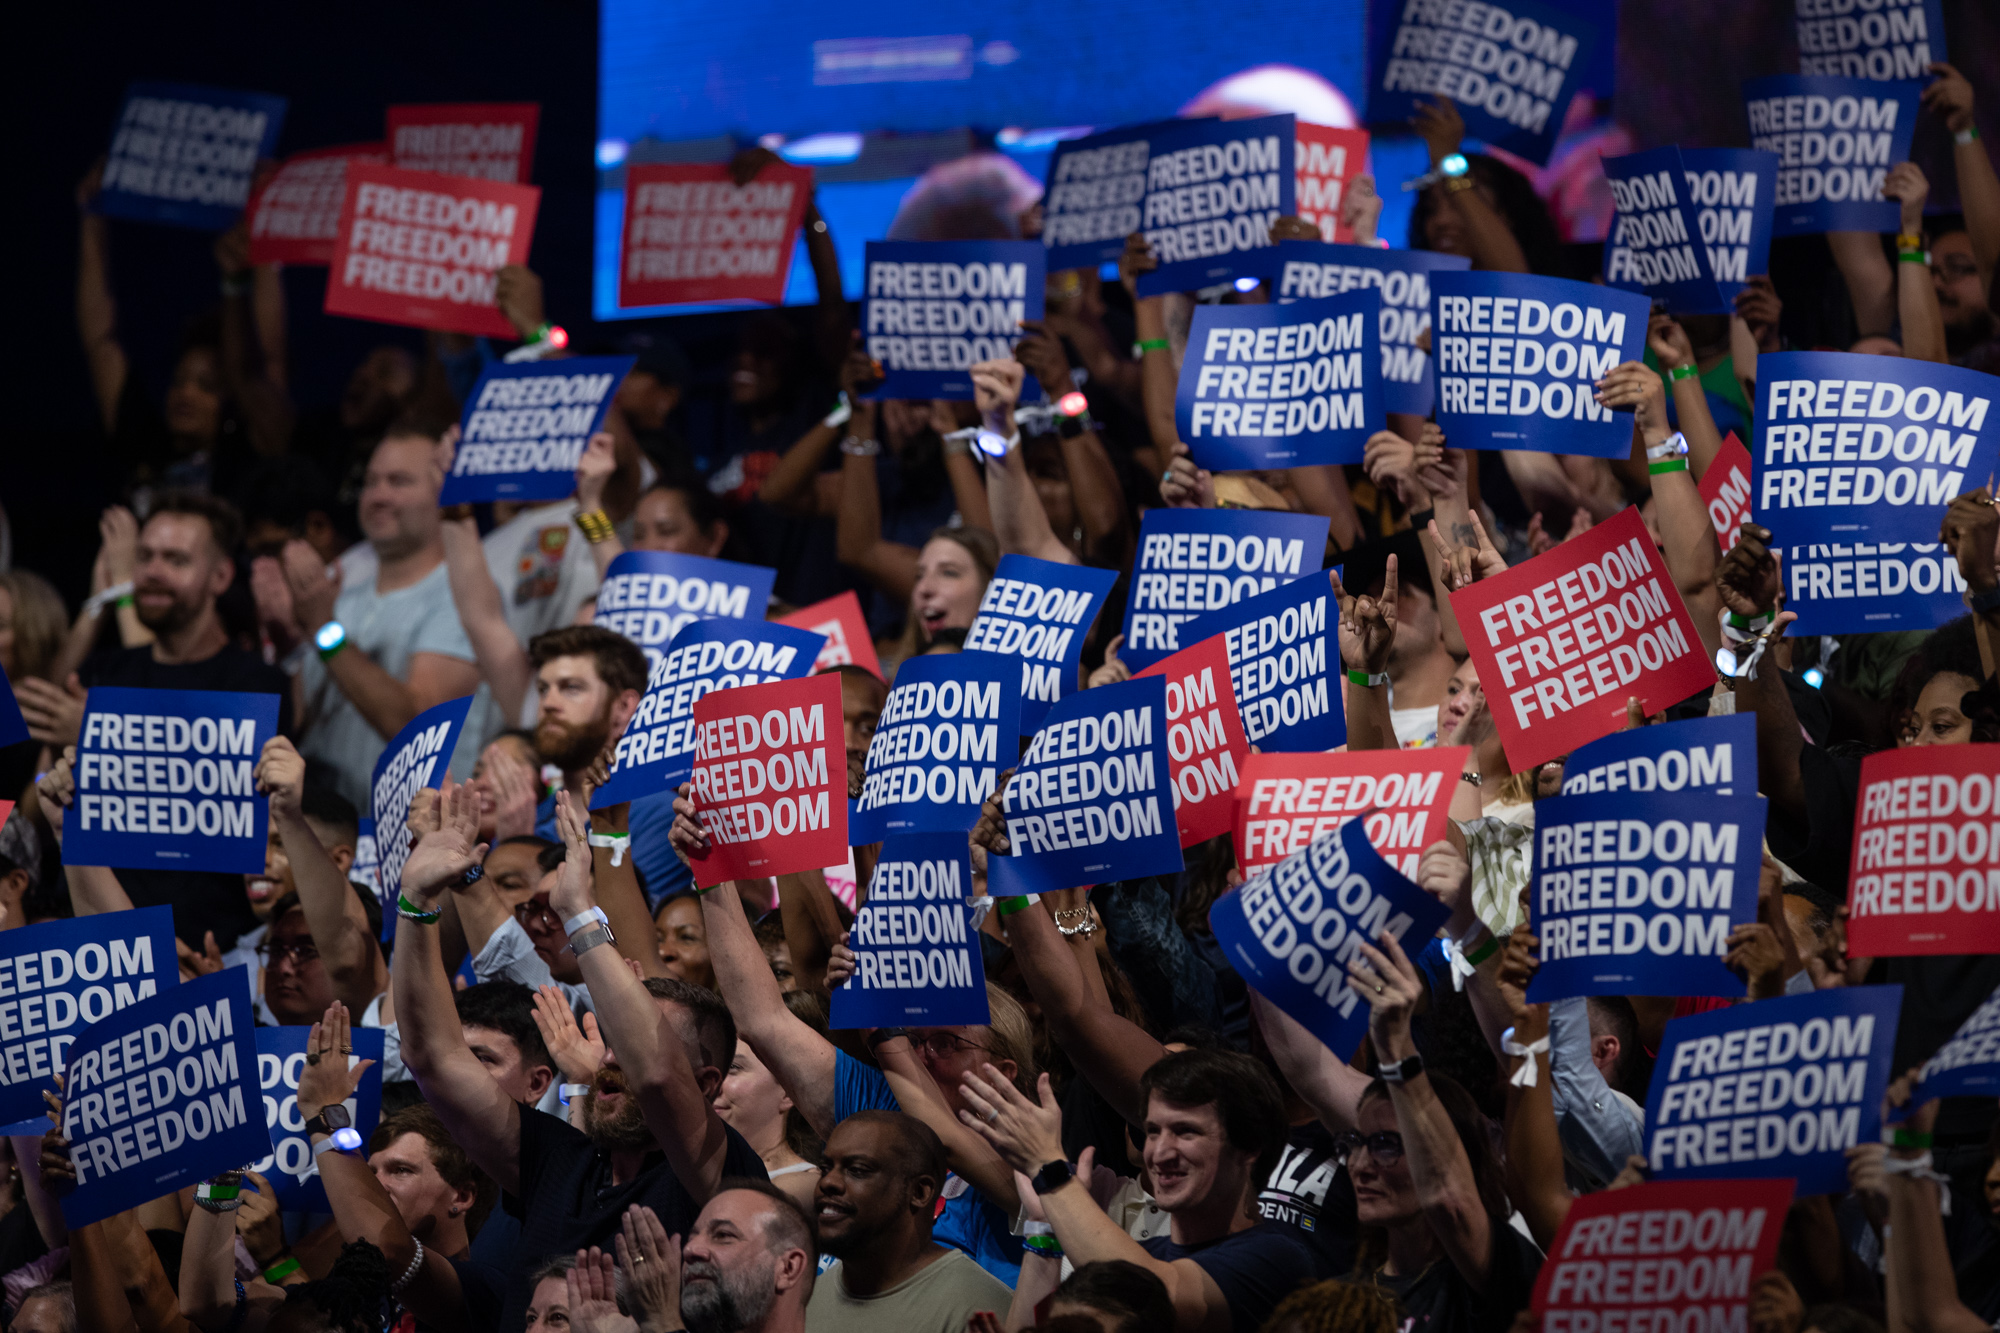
1916	293
1494	249
793	485
1367	633
1870	286
482	1118
857	530
1019	520
655	1050
92	889
495	648
1970	531
1950	97
617	886
1328	1084
253	346
207	1286
1748	580
334	914
1916	1243
1534	1148
971	1156
1094	485
812	923
1158	369
1446	1191
96	311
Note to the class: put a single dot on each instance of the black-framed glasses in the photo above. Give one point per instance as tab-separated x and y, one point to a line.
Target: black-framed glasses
1385	1146
301	952
532	914
1954	268
942	1045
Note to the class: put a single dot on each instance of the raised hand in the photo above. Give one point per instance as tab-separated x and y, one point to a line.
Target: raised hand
443	855
571	894
1385	977
1368	625
119	532
687	836
839	964
1950	97
593	1295
1439	125
1113	671
1758	306
1186	486
996	388
327	1077
651	1260
281	775
577	1051
315	585
594	469
1137	259
1361	209
1042	353
1668	342
1026	1134
1748	576
1907	184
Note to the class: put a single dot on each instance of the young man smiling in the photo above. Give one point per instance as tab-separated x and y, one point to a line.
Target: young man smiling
1215	1126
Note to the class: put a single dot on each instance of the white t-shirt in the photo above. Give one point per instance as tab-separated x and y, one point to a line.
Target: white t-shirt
543	568
1415	727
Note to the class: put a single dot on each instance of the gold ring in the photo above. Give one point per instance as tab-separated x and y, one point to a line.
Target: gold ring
1378	988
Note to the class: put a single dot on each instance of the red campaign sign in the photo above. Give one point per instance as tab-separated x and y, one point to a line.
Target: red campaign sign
1926	856
693	234
1287	800
489	141
1326	162
770	776
1672	1255
1206	745
295	214
847	639
1725	489
1562	640
422	249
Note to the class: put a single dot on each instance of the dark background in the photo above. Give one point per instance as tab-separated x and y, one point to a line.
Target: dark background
1679	66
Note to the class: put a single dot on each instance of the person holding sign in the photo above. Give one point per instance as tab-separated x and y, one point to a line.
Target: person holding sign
674	1039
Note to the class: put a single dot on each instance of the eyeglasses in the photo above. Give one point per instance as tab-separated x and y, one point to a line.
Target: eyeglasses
532	914
1954	268
300	952
1385	1146
943	1045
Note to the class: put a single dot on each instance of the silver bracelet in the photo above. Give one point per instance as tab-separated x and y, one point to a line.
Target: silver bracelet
855	447
589	938
410	1273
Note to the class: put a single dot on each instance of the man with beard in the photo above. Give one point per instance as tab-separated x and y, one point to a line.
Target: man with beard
748	1265
388	643
588	682
651	1133
877	1200
186	559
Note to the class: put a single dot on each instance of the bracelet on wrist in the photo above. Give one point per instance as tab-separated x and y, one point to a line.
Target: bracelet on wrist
1145	345
409	911
856	447
1007	907
281	1268
1484	951
1365	679
597	526
1914	257
1474	778
1686	372
1667	465
1909	1138
1968	135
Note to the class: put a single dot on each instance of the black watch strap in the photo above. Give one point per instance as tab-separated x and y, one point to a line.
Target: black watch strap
880	1035
1053	1176
331	1117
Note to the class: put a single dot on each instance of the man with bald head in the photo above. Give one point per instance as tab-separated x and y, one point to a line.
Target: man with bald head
747	1266
876	1202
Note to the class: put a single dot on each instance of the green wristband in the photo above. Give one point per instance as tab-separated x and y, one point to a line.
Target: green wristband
1008	906
1910	1138
281	1270
409	911
1679	373
1145	345
1667	465
1914	257
1356	676
1484	951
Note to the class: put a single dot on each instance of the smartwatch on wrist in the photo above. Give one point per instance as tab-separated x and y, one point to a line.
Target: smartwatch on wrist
330	638
1400	1071
1053	1176
331	1117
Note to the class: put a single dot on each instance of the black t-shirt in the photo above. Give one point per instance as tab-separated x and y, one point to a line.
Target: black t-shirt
568	1202
1309	1192
1255	1268
202	900
1439	1299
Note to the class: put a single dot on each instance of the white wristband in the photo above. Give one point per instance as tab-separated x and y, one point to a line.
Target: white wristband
1524	1077
584	918
1921	1168
98	601
619	843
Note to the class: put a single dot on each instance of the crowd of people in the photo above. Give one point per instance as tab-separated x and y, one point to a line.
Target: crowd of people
611	1102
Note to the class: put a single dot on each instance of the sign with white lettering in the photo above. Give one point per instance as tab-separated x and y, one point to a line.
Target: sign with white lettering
1282	657
934	309
770	775
1294	385
1206	744
1734	191
1213	189
1326	161
1835	139
1725	489
1926	856
163	780
1898	40
1040	612
916	956
290	1165
936	754
1403	797
1291	931
525	426
1196	560
839	618
162	1094
57	974
1306	270
1518	358
185	155
417	758
693	234
651	596
1969	1064
295	213
1778	1088
1655	244
489	141
1089	802
1708	754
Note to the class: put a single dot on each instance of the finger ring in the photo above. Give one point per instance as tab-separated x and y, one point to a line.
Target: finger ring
1166	476
347	1050
638	1259
312	1057
992	1114
1378	988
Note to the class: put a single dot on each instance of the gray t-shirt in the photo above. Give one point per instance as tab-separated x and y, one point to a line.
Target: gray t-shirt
939	1299
391	628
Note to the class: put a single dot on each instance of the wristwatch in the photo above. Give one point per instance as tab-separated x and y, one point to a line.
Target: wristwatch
331	1117
1053	1176
1402	1071
589	938
880	1035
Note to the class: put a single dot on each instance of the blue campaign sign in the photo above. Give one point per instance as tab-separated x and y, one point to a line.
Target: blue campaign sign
1702	754
1196	560
162	1094
1864	588
1868	448
163	780
1040	612
1518	358
525	426
947	729
1642	906
1309	270
1777	1088
185	155
289	1166
60	974
418	758
1835	139
1213	189
13	727
1733	191
1511	68
1870	41
656	753
916	952
1969	1064
1092	799
1095	192
650	596
1273	386
367	865
932	309
1656	245
1282	654
1292	930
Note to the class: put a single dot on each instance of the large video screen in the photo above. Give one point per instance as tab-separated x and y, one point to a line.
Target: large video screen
874	98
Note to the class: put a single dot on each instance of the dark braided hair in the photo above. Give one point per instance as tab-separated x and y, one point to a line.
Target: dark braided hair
354	1293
